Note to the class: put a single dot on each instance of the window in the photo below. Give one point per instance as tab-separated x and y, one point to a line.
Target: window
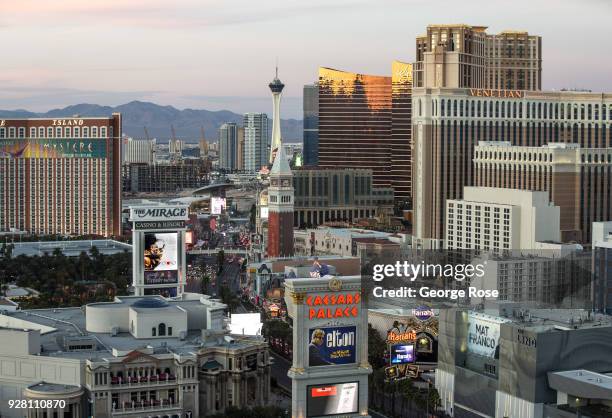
154	332
161	329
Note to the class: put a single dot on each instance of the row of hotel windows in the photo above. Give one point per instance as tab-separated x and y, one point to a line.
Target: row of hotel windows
50	132
516	109
537	156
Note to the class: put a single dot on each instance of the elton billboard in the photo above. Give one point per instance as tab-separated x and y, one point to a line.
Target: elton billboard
160	251
56	148
332	345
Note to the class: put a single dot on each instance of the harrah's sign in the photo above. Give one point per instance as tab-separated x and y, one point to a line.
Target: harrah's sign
158	213
336	305
505	94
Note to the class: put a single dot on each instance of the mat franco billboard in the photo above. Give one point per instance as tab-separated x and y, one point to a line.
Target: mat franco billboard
332	345
332	399
57	148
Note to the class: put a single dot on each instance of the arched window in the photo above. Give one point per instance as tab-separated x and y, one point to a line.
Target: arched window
161	329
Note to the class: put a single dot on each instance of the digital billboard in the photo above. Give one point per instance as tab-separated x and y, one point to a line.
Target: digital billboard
332	345
160	251
483	335
217	205
56	148
332	399
161	277
402	353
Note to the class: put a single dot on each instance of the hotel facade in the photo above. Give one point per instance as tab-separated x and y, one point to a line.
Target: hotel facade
365	122
61	176
448	123
461	56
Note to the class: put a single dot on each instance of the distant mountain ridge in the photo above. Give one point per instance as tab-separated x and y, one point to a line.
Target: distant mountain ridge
158	119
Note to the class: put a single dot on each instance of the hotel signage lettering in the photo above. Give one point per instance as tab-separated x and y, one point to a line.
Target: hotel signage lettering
506	94
527	340
159	224
156	213
67	122
400	337
336	305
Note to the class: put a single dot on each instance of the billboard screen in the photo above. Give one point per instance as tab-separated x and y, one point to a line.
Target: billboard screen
160	251
331	345
332	399
217	205
402	353
56	148
483	335
161	277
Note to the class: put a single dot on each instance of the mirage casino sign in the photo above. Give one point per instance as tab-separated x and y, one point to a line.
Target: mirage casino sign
158	213
333	305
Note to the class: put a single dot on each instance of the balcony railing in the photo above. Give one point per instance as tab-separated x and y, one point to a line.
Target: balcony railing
130	407
162	379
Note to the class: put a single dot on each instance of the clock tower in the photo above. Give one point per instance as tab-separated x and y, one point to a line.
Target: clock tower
280	207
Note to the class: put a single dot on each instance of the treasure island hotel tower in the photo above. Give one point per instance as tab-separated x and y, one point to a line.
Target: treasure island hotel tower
61	176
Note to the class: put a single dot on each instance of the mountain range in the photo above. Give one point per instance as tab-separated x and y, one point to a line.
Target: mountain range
159	119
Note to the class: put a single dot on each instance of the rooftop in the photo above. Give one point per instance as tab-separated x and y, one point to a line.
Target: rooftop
70	248
67	323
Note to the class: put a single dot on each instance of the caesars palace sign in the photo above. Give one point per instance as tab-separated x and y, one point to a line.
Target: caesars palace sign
326	306
505	94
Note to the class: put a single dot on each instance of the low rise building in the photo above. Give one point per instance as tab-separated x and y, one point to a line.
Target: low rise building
341	241
134	357
164	177
337	194
511	362
496	219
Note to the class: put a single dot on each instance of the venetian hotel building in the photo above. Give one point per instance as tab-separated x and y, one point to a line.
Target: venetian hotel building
448	123
61	176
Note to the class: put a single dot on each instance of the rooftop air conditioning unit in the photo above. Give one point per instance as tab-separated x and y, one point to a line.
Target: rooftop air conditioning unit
182	335
114	331
229	339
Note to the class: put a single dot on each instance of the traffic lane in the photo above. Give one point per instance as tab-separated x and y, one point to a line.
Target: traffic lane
279	370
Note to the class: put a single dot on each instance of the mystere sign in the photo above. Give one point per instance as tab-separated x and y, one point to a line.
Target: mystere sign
158	213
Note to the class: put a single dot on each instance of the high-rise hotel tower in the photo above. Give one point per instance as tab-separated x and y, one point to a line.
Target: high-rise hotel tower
365	123
61	176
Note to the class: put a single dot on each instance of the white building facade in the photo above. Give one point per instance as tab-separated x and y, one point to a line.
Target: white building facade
498	219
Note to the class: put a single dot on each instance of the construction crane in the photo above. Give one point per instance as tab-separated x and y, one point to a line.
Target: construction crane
147	134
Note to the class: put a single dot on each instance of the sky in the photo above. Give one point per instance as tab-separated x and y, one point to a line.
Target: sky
221	54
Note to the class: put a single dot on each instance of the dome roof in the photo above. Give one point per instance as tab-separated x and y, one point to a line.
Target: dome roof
150	303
